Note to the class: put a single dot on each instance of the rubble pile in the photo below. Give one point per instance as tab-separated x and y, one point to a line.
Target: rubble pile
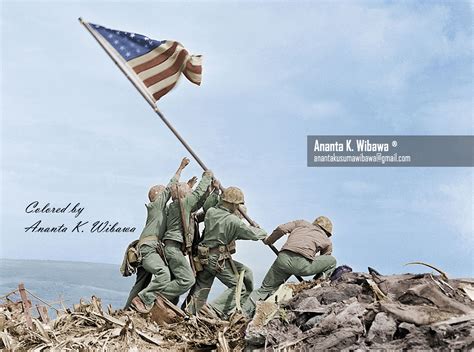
355	311
89	327
370	311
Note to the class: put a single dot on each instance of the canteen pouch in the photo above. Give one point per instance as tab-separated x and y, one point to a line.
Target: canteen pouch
133	257
203	255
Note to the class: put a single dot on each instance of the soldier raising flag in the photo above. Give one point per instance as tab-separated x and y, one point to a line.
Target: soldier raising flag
154	67
160	61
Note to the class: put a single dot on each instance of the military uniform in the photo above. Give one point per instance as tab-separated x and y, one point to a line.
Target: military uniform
183	276
221	229
153	273
297	257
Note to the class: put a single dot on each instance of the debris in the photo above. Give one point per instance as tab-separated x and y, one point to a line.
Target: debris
164	312
26	305
383	328
373	272
469	290
418	315
359	311
456	320
88	327
238	291
443	274
264	312
377	291
43	312
339	271
283	294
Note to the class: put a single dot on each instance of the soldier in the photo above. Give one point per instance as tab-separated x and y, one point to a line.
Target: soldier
142	295
222	227
297	256
176	237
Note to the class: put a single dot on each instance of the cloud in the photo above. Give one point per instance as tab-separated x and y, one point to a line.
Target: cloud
322	109
456	207
359	188
273	73
450	202
448	116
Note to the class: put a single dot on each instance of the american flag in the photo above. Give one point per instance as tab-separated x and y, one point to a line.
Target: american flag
157	64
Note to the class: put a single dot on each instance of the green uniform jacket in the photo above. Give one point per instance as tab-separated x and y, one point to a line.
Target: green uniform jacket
192	202
156	217
223	227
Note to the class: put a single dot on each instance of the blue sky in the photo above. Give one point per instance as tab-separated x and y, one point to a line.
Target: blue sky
74	129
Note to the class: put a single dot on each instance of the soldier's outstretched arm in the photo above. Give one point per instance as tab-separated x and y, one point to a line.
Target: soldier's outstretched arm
177	174
213	198
209	200
181	167
284	229
166	194
195	196
247	232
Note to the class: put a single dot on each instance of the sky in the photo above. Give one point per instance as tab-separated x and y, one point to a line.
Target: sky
74	130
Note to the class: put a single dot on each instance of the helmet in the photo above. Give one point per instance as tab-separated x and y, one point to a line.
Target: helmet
182	188
325	223
233	195
155	191
238	213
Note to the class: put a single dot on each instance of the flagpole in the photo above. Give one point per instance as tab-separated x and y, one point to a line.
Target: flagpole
166	122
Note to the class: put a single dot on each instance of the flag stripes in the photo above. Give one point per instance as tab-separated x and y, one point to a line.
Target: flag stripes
157	64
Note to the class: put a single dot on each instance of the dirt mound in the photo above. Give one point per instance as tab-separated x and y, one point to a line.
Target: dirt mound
356	311
362	311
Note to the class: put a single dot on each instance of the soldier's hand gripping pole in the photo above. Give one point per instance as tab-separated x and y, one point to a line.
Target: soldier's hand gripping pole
205	168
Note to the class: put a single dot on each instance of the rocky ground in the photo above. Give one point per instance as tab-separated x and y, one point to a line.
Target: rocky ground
356	311
362	311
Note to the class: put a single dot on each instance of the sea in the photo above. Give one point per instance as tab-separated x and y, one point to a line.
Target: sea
69	282
66	281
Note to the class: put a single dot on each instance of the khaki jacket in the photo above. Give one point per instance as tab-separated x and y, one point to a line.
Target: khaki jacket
303	238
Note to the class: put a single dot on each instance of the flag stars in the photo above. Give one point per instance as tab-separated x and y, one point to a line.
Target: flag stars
129	45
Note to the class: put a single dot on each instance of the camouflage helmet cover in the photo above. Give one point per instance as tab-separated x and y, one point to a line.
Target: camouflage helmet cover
325	223
238	213
233	195
155	191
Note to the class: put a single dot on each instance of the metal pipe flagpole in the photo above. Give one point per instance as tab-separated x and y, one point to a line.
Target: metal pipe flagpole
150	101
